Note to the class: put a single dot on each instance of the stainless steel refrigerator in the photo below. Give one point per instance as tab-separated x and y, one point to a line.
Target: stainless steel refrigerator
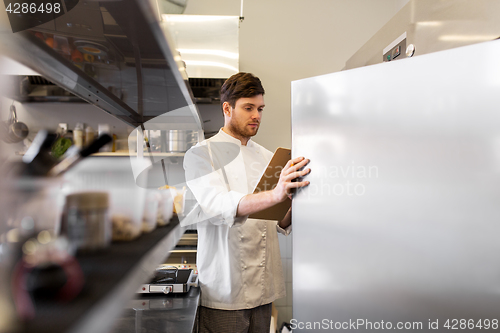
399	228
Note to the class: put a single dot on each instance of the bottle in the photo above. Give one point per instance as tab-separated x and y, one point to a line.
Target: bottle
78	137
113	146
104	128
89	135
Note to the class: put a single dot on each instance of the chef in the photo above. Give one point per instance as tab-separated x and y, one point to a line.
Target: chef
238	258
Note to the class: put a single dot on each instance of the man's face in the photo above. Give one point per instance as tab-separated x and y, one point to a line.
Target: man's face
246	115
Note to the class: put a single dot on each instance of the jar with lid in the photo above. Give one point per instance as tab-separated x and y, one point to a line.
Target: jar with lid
86	220
89	135
78	136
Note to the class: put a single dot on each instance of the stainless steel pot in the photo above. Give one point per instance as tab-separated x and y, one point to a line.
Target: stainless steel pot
181	140
14	131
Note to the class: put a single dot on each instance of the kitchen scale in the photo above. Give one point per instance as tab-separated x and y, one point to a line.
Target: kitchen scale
170	279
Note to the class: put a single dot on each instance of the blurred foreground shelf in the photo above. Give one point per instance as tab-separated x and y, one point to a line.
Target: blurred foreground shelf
111	280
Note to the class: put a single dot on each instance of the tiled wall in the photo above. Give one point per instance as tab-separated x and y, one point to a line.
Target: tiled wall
284	305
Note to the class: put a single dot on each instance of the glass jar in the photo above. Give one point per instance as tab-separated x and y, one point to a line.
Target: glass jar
86	221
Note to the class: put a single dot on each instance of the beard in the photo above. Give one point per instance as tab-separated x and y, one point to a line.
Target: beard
242	130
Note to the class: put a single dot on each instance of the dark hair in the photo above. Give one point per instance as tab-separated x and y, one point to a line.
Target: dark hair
238	86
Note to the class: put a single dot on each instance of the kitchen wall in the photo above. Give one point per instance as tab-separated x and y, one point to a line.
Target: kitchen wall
49	115
286	40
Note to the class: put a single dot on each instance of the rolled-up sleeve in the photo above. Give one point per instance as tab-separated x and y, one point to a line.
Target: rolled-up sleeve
218	204
285	231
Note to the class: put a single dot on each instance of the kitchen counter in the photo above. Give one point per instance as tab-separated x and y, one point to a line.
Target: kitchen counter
159	313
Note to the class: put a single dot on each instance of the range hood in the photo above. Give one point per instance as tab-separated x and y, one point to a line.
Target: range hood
116	55
206	91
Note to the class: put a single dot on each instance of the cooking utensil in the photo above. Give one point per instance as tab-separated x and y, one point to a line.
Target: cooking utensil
168	280
16	131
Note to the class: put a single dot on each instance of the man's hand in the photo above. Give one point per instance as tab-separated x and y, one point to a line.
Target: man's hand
285	185
256	202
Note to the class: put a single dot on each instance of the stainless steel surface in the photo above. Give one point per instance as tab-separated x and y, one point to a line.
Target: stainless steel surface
160	289
400	220
160	313
100	317
433	26
35	88
86	220
181	140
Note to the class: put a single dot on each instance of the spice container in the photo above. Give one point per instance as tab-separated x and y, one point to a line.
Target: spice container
86	221
165	207
78	137
114	175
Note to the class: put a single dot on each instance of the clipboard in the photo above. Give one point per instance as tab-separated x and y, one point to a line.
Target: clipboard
268	181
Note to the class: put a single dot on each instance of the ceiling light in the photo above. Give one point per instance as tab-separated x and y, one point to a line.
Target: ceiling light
210	63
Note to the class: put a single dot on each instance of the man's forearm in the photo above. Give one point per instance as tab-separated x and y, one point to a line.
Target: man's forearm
287	220
255	202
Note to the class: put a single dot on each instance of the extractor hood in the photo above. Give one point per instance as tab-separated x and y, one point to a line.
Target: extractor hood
36	88
206	91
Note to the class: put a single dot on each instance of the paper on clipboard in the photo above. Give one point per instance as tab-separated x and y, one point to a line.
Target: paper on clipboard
268	181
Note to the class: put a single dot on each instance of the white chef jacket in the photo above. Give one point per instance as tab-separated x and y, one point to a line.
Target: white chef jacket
238	259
